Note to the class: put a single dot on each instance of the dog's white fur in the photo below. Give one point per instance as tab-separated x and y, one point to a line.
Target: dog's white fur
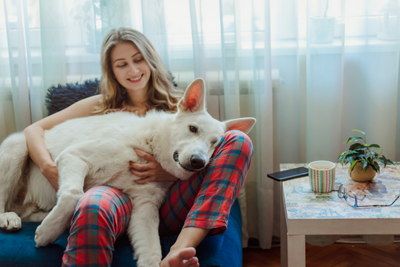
96	150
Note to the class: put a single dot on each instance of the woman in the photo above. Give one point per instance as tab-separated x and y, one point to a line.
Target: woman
135	79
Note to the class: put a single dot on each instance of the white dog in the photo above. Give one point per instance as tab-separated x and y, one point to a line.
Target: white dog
96	150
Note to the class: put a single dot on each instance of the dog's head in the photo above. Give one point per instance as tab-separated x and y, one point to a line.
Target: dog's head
195	134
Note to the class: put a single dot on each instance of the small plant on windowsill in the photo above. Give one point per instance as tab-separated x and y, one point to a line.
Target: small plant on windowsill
363	161
322	26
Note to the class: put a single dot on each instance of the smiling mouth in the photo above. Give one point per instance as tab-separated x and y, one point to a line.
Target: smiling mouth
136	79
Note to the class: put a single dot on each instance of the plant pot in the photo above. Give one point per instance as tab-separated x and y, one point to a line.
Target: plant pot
360	175
322	29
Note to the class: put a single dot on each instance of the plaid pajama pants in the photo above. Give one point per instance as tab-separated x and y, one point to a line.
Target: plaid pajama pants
203	201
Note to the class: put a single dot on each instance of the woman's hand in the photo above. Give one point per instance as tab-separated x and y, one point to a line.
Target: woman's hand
150	171
50	171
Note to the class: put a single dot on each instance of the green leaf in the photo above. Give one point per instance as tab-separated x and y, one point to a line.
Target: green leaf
353	138
373	167
374	146
376	165
384	160
356	137
342	157
357	155
358	131
362	156
355	146
361	150
348	154
364	163
389	162
350	160
373	154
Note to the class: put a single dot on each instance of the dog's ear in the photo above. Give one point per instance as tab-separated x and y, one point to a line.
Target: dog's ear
194	98
241	124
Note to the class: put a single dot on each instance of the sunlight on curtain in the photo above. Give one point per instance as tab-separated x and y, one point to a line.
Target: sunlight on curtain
339	65
7	118
310	71
14	89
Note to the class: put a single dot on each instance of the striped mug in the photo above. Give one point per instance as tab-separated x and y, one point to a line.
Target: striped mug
322	176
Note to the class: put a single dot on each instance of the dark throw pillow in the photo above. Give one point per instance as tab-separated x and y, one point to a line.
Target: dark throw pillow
62	96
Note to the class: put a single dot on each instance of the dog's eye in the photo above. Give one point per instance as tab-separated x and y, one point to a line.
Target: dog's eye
213	142
193	129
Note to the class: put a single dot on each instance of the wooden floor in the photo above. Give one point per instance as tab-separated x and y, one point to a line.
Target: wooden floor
336	255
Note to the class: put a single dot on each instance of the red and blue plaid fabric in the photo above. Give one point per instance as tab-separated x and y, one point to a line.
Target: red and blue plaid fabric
100	217
203	201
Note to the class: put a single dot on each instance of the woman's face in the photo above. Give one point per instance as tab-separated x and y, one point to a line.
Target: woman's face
129	66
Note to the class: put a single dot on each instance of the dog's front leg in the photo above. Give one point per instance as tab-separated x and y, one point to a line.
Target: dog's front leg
72	173
13	159
143	232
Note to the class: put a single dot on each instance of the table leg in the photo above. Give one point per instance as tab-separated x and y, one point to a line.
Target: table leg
296	250
284	258
293	247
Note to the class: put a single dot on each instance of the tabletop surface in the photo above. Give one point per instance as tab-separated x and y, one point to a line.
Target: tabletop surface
302	203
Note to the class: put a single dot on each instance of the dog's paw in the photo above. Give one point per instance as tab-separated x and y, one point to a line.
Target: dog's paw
149	260
44	237
149	264
10	221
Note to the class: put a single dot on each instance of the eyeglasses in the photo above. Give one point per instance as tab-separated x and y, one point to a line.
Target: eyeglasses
351	198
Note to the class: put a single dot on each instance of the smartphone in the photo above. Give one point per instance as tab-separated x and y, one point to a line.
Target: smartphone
289	174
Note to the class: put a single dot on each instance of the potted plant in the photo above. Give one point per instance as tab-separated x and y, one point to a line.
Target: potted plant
322	27
388	20
363	161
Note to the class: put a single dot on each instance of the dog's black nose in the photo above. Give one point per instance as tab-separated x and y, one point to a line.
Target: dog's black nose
176	156
197	162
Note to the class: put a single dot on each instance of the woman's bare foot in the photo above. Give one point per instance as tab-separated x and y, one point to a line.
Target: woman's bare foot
184	258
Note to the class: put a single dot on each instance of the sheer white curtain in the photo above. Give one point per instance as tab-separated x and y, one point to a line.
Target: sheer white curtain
310	71
341	72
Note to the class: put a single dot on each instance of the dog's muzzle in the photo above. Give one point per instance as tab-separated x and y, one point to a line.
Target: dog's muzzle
197	162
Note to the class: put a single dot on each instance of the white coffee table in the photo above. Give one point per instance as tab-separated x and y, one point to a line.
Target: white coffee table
304	212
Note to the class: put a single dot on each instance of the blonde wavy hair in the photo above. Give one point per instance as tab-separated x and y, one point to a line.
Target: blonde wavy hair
161	95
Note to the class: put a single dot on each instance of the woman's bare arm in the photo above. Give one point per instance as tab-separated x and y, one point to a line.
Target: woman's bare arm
35	135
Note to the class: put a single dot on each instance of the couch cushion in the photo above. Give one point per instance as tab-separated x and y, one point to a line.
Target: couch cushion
62	96
17	249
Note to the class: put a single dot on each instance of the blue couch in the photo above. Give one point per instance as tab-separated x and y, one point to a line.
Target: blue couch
17	249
